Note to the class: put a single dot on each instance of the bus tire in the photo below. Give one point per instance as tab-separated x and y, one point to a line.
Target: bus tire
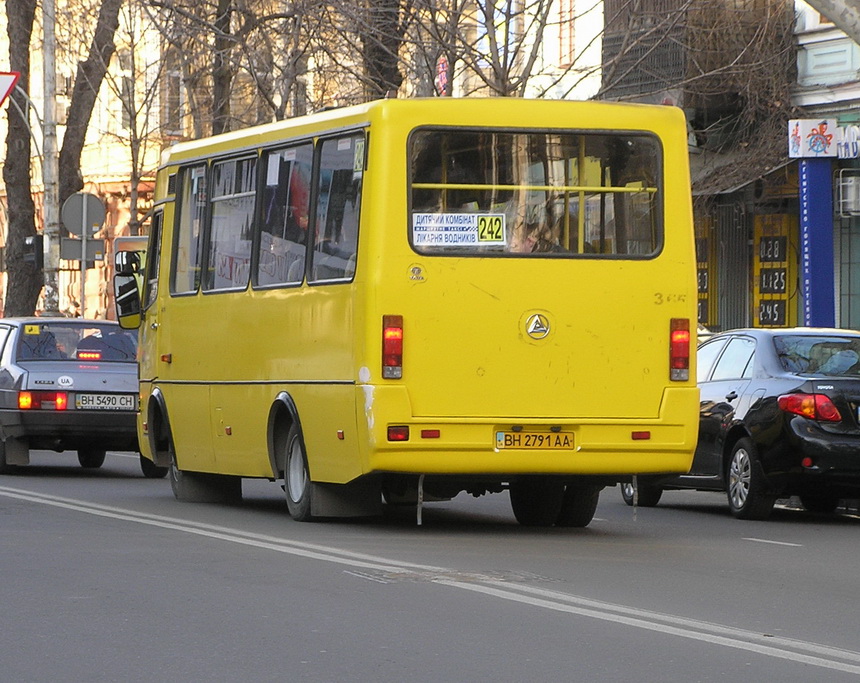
91	458
536	501
578	506
642	494
297	480
197	487
151	470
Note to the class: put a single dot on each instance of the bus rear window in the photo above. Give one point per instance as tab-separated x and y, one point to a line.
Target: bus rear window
535	193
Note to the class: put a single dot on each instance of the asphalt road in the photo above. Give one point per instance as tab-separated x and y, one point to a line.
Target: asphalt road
105	577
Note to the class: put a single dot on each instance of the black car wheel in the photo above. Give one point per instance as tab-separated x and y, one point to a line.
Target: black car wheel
745	485
91	458
642	494
822	503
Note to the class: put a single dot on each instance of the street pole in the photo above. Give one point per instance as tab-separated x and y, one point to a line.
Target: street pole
85	227
50	167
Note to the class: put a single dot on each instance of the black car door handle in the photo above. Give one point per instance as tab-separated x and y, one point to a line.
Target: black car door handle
731	396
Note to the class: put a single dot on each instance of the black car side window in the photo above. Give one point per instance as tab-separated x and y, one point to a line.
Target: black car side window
705	357
736	359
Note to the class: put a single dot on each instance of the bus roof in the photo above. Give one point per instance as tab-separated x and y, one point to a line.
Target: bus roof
486	110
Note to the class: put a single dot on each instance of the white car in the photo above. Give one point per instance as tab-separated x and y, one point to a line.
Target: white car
67	384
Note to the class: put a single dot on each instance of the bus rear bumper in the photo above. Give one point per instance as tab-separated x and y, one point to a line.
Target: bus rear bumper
615	447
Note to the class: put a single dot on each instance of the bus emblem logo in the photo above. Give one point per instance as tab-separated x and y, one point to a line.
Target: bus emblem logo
537	326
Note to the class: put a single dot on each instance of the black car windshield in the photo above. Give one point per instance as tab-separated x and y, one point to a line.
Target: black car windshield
826	355
68	341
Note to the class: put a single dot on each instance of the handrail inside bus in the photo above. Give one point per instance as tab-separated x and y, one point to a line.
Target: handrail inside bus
564	188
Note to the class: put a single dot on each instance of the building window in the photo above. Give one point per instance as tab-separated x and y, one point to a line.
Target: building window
566	34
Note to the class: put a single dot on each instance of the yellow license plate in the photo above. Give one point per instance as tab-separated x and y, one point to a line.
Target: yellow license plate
532	441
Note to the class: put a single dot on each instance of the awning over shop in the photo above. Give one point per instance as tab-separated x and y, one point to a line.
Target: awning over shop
713	173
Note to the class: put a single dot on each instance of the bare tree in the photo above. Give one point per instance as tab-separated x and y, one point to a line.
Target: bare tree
24	279
88	80
137	81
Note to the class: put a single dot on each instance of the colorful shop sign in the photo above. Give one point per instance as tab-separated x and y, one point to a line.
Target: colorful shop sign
812	138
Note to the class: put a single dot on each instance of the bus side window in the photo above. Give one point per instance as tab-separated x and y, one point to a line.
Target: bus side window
188	245
231	217
284	216
340	178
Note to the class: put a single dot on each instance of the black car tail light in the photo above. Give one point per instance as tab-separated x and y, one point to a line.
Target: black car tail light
813	406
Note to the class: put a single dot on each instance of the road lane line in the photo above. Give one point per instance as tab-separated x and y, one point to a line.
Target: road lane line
783	648
764	540
747	643
300	548
704	626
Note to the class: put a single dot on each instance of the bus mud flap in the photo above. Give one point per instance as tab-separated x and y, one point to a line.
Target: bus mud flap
359	498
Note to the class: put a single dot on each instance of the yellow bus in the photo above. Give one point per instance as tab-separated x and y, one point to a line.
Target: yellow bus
404	300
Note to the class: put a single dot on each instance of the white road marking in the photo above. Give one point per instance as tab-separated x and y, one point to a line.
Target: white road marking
764	540
801	652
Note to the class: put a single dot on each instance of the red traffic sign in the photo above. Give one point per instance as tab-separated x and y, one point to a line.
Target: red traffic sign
8	79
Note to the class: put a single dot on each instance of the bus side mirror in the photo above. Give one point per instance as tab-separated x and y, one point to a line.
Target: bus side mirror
127	262
127	297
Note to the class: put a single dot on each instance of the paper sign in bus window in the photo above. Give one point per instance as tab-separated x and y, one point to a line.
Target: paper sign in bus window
457	229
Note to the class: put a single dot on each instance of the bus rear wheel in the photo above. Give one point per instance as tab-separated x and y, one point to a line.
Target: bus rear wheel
536	501
197	487
297	480
578	506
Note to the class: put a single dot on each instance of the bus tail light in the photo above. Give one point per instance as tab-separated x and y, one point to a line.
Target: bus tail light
679	349
392	346
43	400
813	406
398	433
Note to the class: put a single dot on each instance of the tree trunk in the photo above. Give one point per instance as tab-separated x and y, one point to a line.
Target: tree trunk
24	280
88	80
222	74
381	47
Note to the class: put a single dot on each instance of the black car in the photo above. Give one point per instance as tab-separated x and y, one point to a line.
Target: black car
779	416
67	384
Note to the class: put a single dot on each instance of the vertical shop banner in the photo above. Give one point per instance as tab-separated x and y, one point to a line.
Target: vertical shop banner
816	242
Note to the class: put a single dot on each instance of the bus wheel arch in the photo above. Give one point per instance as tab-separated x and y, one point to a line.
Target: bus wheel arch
282	416
288	457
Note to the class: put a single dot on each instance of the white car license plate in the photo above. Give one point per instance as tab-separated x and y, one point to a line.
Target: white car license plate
106	402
